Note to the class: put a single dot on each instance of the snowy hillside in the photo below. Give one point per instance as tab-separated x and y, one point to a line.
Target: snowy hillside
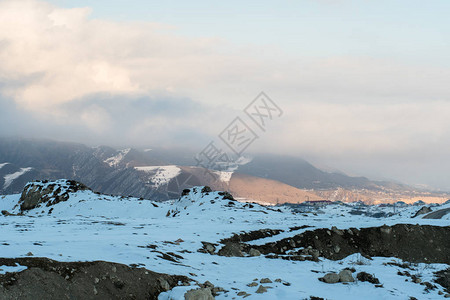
246	249
159	175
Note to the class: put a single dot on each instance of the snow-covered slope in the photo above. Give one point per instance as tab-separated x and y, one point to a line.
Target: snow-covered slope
159	175
166	237
115	160
9	178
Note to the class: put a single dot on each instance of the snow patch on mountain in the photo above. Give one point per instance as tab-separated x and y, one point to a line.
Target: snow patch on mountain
116	159
224	176
9	178
160	175
3	164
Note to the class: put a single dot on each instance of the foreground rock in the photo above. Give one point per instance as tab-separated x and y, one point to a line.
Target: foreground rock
443	278
330	278
343	276
346	276
414	243
199	294
48	279
231	249
363	276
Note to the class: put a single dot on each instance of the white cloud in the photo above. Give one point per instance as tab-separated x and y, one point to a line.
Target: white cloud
335	106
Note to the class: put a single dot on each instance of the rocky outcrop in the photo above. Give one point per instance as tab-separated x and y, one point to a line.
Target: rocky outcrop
422	211
254	252
330	278
363	276
199	294
346	276
443	278
343	276
251	235
414	243
231	249
48	279
48	192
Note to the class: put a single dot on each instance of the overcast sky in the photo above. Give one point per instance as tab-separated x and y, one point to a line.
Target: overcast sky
364	85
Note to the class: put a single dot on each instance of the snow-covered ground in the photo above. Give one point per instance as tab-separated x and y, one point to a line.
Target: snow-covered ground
90	226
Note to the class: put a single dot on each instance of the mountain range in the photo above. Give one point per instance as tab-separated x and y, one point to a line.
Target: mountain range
161	174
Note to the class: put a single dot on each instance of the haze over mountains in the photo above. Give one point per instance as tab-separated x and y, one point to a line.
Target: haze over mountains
162	174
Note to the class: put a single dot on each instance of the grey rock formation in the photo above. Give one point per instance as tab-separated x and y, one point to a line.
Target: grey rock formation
363	276
48	279
254	252
422	211
199	294
48	193
231	249
330	278
346	276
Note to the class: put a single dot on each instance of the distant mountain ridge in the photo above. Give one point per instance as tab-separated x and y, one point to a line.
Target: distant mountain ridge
301	174
160	173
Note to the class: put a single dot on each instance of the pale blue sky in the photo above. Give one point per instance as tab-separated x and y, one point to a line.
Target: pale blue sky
408	30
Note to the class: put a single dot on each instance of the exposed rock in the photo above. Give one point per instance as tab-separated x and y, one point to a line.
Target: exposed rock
265	280
337	231
209	247
330	278
363	276
261	289
216	290
243	294
207	284
252	284
422	211
386	229
346	276
251	235
226	196
82	280
49	193
185	192
443	278
231	249
418	243
206	189
416	279
164	284
336	248
199	294
254	252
